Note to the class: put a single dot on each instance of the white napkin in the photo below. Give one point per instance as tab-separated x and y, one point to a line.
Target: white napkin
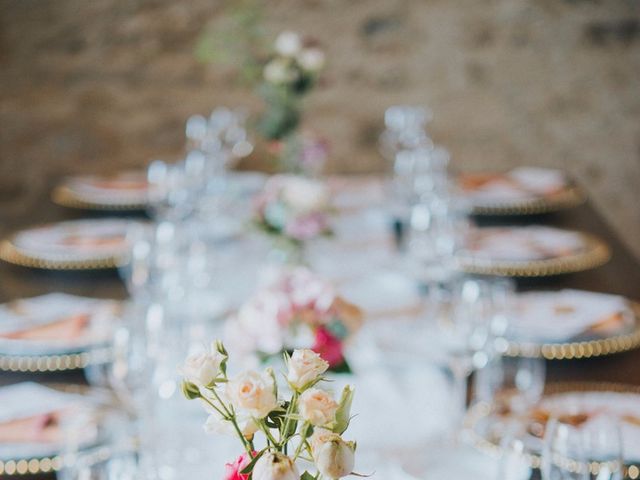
90	188
28	399
49	242
561	316
523	243
539	180
42	310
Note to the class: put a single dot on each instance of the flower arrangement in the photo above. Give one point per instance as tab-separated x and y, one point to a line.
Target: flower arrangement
296	308
294	209
288	75
307	427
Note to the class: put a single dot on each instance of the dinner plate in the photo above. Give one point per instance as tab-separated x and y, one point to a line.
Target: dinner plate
569	324
520	191
87	408
531	251
69	245
120	191
55	332
483	427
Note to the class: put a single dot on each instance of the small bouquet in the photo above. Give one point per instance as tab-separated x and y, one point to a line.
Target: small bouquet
289	74
293	208
296	308
307	427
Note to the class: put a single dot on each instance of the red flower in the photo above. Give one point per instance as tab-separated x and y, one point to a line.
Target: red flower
232	470
328	347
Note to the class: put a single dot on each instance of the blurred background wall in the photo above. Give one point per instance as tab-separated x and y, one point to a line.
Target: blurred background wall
97	85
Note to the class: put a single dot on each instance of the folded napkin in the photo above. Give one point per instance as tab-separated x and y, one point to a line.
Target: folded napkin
31	412
519	184
538	180
569	314
76	239
55	320
523	243
125	187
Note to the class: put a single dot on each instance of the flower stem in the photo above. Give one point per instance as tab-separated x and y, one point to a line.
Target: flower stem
284	439
230	416
303	442
270	438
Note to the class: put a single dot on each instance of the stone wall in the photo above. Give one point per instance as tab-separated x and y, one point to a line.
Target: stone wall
94	85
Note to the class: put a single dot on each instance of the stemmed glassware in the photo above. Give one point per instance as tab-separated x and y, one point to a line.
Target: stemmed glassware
465	310
587	451
511	385
404	129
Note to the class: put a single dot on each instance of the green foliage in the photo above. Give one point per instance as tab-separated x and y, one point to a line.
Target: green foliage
236	41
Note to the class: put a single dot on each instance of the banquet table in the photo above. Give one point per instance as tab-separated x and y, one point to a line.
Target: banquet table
621	275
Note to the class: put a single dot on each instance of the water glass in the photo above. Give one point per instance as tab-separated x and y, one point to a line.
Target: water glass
588	451
511	385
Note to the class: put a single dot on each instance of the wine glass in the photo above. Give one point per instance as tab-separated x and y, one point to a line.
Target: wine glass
174	190
511	385
464	310
515	462
404	129
591	450
99	445
437	230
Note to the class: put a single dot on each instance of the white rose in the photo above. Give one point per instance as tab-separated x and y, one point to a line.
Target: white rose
275	466
317	407
305	366
288	44
305	195
311	59
279	71
252	392
334	458
202	368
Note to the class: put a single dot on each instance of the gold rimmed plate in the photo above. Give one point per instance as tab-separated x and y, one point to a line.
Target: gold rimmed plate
521	191
620	340
35	458
568	252
482	425
126	191
56	332
69	245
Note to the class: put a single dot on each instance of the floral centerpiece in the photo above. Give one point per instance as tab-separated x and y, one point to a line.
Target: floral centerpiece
305	429
295	308
291	71
293	210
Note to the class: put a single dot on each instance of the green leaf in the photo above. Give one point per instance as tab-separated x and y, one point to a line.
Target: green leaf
307	476
249	468
344	411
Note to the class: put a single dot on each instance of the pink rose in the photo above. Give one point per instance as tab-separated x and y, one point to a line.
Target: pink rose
328	347
307	226
232	470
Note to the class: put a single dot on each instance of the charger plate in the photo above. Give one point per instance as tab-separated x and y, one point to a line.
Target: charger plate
35	256
594	253
569	197
596	347
120	192
490	445
43	464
